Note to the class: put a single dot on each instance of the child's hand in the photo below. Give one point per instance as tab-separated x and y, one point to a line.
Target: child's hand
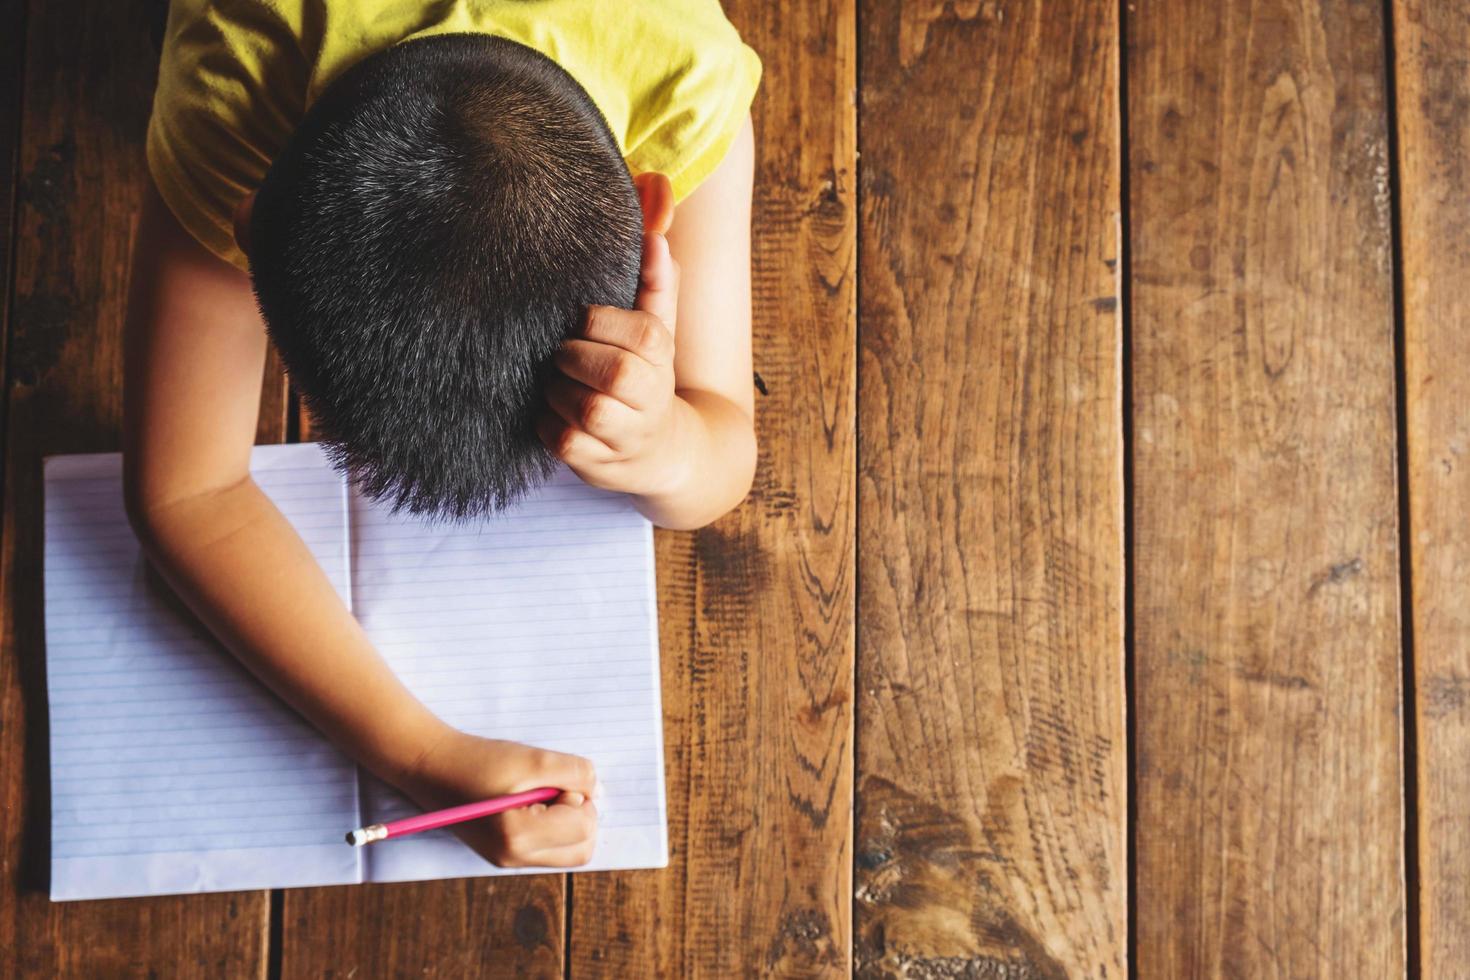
463	768
615	416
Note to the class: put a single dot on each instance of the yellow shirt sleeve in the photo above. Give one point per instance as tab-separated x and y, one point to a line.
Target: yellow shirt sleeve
685	121
216	123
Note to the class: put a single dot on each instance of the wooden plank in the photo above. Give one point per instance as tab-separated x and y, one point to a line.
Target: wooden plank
1269	838
1433	81
480	927
88	87
505	927
12	66
757	610
992	797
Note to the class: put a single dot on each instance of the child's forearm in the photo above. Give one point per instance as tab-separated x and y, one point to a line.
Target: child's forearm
712	462
242	568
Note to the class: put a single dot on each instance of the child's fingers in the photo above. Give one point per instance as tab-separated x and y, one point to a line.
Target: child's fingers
571	856
568	773
573	853
527	832
658	282
601	416
634	331
613	371
570	444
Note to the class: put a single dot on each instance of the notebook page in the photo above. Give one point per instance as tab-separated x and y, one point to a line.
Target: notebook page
537	625
172	769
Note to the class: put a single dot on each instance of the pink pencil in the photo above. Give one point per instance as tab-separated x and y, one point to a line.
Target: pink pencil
443	818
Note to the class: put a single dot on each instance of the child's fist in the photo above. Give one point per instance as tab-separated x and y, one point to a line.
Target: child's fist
464	768
613	408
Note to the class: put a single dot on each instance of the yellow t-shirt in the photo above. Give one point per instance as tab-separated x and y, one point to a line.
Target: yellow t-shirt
672	78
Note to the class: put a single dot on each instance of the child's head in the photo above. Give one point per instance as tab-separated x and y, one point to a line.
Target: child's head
427	239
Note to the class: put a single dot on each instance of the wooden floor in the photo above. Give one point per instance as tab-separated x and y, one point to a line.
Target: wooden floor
1101	606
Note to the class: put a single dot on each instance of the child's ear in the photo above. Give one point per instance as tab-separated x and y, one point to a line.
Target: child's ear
656	195
243	210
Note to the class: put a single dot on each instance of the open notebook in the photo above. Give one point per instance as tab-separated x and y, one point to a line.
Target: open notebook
173	770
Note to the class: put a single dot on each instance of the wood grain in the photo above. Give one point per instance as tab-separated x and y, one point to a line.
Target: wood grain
988	563
12	68
992	798
1433	82
89	83
757	610
475	927
1269	838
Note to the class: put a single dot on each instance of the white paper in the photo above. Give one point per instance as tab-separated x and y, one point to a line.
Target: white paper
172	769
539	626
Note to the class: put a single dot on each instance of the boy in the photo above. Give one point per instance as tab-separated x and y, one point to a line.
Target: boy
445	241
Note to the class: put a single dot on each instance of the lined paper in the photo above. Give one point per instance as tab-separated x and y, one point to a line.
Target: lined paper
538	625
172	769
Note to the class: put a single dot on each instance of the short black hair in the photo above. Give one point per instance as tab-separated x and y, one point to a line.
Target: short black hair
429	236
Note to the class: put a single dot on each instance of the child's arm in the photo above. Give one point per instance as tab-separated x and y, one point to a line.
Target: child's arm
195	356
657	401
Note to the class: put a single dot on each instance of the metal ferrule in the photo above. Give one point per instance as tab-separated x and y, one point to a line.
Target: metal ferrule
367	835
